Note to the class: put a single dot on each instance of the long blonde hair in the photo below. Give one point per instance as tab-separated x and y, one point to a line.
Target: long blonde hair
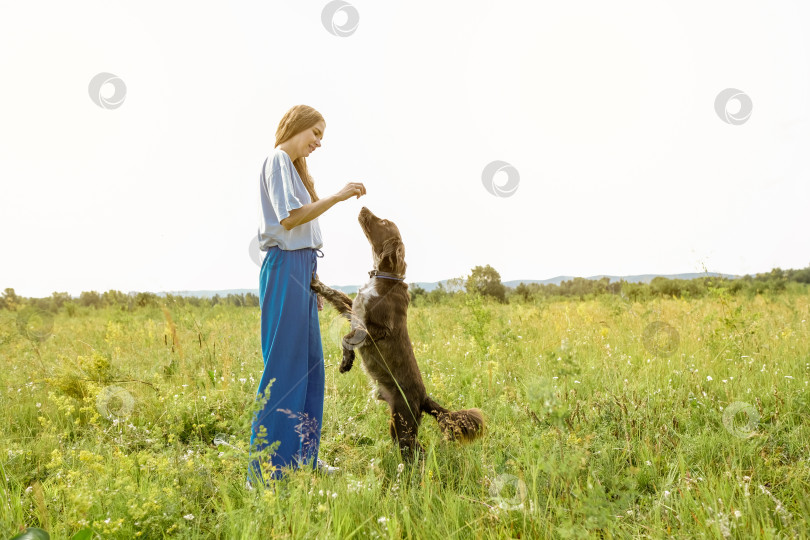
298	119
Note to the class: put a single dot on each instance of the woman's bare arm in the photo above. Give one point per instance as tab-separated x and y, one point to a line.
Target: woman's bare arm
310	211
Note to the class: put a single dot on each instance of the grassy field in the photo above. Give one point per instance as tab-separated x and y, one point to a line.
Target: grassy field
605	419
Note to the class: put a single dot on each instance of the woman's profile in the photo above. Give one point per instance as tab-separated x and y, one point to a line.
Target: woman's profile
290	235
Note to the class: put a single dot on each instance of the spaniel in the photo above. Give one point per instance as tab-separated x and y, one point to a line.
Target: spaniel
379	332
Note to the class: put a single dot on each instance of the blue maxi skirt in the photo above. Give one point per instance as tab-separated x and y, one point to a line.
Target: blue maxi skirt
293	364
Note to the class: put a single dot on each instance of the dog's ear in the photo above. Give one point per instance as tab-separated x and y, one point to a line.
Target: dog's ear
392	258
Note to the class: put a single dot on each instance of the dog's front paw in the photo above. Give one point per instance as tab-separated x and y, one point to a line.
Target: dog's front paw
316	285
355	338
348	360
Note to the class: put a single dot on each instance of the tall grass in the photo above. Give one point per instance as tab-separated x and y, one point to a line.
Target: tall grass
136	425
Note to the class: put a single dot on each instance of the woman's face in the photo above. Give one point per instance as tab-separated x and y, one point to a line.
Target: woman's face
310	139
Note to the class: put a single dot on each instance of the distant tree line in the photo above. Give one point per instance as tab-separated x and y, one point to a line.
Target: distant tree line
117	299
483	280
486	281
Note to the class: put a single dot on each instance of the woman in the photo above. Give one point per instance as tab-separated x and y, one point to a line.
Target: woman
290	333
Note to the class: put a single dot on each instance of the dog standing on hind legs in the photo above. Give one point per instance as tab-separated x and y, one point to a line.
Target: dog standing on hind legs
379	332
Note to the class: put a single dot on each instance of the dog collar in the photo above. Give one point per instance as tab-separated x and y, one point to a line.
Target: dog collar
385	275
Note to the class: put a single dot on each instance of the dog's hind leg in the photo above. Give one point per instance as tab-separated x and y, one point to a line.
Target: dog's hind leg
404	427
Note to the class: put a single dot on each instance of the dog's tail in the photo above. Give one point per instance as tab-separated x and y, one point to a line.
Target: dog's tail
464	425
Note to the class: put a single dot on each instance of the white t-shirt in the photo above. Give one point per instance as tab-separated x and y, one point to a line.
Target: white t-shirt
281	190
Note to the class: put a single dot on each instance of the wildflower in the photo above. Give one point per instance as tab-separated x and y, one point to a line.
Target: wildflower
382	519
400	467
708	377
189	517
334	495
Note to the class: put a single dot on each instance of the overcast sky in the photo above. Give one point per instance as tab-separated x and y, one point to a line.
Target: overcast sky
605	112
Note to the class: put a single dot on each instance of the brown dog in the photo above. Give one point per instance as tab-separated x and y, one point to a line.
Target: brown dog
379	331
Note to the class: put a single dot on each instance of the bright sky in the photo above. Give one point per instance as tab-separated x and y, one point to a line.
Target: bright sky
606	111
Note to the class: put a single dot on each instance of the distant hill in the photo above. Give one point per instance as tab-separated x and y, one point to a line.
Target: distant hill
429	286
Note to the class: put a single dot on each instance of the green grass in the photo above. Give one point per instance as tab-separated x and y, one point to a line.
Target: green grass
591	430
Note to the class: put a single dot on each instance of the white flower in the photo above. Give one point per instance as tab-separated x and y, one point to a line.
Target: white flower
708	377
666	493
334	495
189	517
400	467
382	519
39	405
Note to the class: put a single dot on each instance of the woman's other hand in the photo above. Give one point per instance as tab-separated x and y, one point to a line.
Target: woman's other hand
352	189
320	303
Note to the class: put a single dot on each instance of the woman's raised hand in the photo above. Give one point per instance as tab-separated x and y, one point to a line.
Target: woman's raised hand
352	189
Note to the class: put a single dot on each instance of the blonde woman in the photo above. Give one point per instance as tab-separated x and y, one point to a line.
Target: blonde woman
290	334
